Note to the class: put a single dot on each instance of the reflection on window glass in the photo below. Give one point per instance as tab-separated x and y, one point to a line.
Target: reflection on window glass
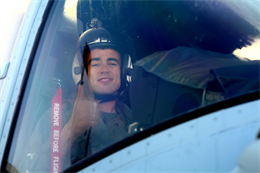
250	52
79	99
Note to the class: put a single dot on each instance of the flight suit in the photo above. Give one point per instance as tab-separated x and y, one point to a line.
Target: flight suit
110	128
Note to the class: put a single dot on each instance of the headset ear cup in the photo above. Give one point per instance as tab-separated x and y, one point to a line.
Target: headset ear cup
124	64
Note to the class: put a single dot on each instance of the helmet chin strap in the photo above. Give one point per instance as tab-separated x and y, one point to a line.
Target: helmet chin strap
105	97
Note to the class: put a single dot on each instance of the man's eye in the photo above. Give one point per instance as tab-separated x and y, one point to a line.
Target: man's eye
94	65
113	64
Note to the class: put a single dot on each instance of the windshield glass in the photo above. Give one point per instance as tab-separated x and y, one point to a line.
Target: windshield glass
105	70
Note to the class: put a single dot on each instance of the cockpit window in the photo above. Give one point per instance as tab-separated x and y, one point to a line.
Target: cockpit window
105	70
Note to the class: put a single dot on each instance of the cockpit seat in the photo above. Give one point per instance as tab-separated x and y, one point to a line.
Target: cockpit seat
154	99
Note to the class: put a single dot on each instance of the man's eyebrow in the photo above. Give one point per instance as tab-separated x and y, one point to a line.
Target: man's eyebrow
94	59
113	59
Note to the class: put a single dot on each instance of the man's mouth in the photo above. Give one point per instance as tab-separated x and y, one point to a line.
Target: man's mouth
105	79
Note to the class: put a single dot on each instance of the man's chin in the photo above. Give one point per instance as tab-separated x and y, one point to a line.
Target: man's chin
106	91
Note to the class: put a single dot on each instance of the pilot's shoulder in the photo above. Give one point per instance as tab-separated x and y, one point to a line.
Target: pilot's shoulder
126	111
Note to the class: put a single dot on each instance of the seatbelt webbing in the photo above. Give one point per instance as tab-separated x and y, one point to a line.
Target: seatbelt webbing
56	132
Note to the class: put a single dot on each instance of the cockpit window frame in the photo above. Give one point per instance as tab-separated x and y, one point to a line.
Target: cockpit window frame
156	128
23	85
166	124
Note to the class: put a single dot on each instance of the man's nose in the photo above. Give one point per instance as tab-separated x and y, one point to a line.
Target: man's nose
104	68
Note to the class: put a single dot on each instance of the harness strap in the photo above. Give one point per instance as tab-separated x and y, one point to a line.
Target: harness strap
56	132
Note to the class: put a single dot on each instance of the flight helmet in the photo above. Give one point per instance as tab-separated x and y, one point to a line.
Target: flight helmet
98	37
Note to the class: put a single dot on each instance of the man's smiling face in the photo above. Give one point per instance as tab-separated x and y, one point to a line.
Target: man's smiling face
104	70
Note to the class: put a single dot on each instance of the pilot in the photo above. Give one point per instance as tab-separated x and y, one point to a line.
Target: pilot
98	119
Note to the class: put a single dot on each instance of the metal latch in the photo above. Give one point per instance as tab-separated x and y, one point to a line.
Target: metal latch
3	70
